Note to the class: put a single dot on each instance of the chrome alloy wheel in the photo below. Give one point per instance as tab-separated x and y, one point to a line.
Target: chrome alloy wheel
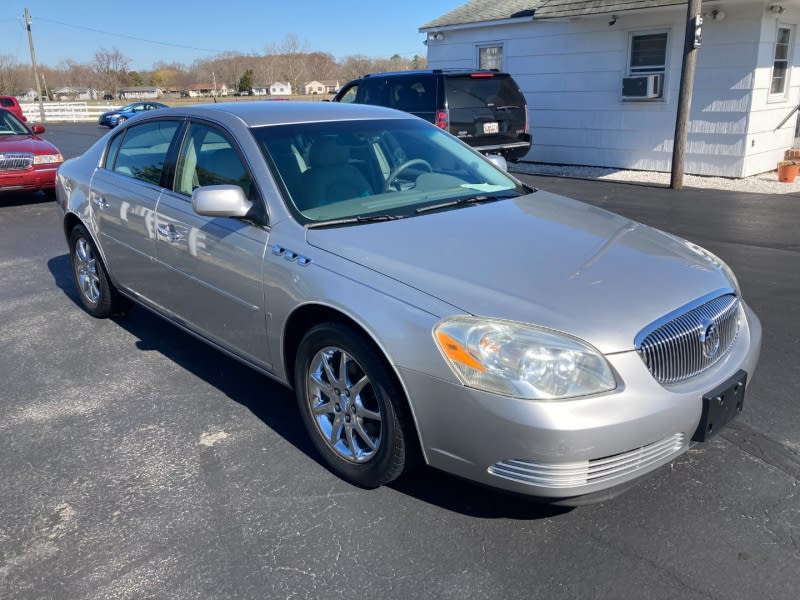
343	405
86	271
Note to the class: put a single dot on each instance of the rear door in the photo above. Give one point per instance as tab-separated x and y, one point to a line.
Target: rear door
487	110
124	195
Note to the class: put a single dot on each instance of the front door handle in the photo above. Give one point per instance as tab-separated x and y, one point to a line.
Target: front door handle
169	232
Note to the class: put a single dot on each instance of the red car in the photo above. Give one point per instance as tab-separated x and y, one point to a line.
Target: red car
12	104
27	162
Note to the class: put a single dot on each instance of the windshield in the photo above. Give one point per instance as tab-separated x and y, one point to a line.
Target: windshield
10	125
339	170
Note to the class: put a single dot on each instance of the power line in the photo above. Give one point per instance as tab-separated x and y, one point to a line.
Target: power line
130	37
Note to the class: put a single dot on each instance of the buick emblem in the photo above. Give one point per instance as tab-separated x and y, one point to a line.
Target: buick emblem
709	339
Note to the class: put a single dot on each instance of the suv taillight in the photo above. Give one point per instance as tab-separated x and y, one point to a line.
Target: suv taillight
442	119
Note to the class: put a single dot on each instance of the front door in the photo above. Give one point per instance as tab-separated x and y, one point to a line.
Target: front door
213	265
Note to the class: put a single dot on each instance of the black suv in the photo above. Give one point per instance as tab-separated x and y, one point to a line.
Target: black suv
485	109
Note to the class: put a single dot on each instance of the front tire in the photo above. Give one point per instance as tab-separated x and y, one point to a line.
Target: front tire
352	406
97	294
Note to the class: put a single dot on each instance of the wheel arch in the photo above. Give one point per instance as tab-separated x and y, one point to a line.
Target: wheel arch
309	315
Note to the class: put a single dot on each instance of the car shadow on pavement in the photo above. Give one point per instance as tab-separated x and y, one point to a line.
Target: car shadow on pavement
23	198
259	394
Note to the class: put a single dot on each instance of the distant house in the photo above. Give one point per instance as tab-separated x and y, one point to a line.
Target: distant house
602	77
28	96
139	92
326	86
280	88
199	90
74	93
260	89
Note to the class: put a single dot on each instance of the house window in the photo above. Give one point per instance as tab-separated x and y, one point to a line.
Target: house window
490	57
648	54
647	63
780	68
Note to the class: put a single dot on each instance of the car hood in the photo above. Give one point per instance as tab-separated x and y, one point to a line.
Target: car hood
25	143
542	259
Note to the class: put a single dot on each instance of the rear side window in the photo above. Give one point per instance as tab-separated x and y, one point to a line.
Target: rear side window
143	150
412	94
474	92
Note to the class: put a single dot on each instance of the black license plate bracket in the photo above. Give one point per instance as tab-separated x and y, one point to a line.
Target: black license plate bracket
720	406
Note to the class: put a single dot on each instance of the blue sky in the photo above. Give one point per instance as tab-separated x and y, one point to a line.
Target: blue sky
200	29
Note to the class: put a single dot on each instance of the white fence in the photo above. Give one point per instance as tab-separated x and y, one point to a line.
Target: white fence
66	112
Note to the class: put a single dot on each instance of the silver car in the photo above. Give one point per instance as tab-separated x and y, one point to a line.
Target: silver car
424	305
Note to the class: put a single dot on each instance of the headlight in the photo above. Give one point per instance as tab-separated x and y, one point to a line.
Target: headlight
523	361
47	159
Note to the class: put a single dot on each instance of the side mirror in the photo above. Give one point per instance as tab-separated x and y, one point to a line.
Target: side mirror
37	129
220	201
498	161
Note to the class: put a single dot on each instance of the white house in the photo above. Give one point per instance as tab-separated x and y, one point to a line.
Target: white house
139	92
602	77
280	88
326	86
74	93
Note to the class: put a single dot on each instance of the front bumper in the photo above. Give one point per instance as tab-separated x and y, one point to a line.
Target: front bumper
28	180
569	449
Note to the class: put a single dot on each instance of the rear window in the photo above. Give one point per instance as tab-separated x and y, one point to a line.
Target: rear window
472	92
6	102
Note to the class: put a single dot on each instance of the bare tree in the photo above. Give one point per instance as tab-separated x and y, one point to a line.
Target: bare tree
112	68
10	71
293	61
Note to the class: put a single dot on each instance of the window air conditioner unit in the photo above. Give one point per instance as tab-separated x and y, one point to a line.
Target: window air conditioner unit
645	87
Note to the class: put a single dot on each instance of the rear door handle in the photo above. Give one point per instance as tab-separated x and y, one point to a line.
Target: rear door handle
169	232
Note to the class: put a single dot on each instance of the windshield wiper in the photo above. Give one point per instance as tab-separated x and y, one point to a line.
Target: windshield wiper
352	220
462	202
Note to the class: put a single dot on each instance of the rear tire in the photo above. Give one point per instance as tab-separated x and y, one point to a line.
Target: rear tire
97	293
352	406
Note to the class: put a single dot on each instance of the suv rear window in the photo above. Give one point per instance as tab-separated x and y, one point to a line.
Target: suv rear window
475	92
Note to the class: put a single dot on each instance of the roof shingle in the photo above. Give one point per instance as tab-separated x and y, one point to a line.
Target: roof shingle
479	11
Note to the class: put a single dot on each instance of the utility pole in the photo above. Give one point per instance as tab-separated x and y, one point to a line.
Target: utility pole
33	62
691	43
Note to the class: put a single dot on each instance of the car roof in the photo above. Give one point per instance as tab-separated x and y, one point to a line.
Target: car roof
266	112
452	71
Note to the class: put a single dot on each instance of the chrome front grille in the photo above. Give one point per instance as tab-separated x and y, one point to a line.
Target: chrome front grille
15	161
691	342
601	470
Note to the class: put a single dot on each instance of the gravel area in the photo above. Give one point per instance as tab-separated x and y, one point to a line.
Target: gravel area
764	183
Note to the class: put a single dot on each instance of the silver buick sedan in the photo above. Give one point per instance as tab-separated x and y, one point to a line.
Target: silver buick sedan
424	305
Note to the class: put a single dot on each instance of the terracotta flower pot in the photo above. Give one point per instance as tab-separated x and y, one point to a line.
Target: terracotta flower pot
788	173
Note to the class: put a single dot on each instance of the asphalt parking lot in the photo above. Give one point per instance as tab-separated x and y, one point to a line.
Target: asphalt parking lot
139	463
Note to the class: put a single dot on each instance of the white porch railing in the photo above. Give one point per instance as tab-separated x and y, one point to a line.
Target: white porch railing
66	112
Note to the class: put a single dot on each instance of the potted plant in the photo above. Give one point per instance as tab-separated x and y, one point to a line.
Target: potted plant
787	170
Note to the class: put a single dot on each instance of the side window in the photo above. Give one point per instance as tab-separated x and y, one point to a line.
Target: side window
373	91
780	67
208	158
490	57
112	150
350	95
143	150
412	94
